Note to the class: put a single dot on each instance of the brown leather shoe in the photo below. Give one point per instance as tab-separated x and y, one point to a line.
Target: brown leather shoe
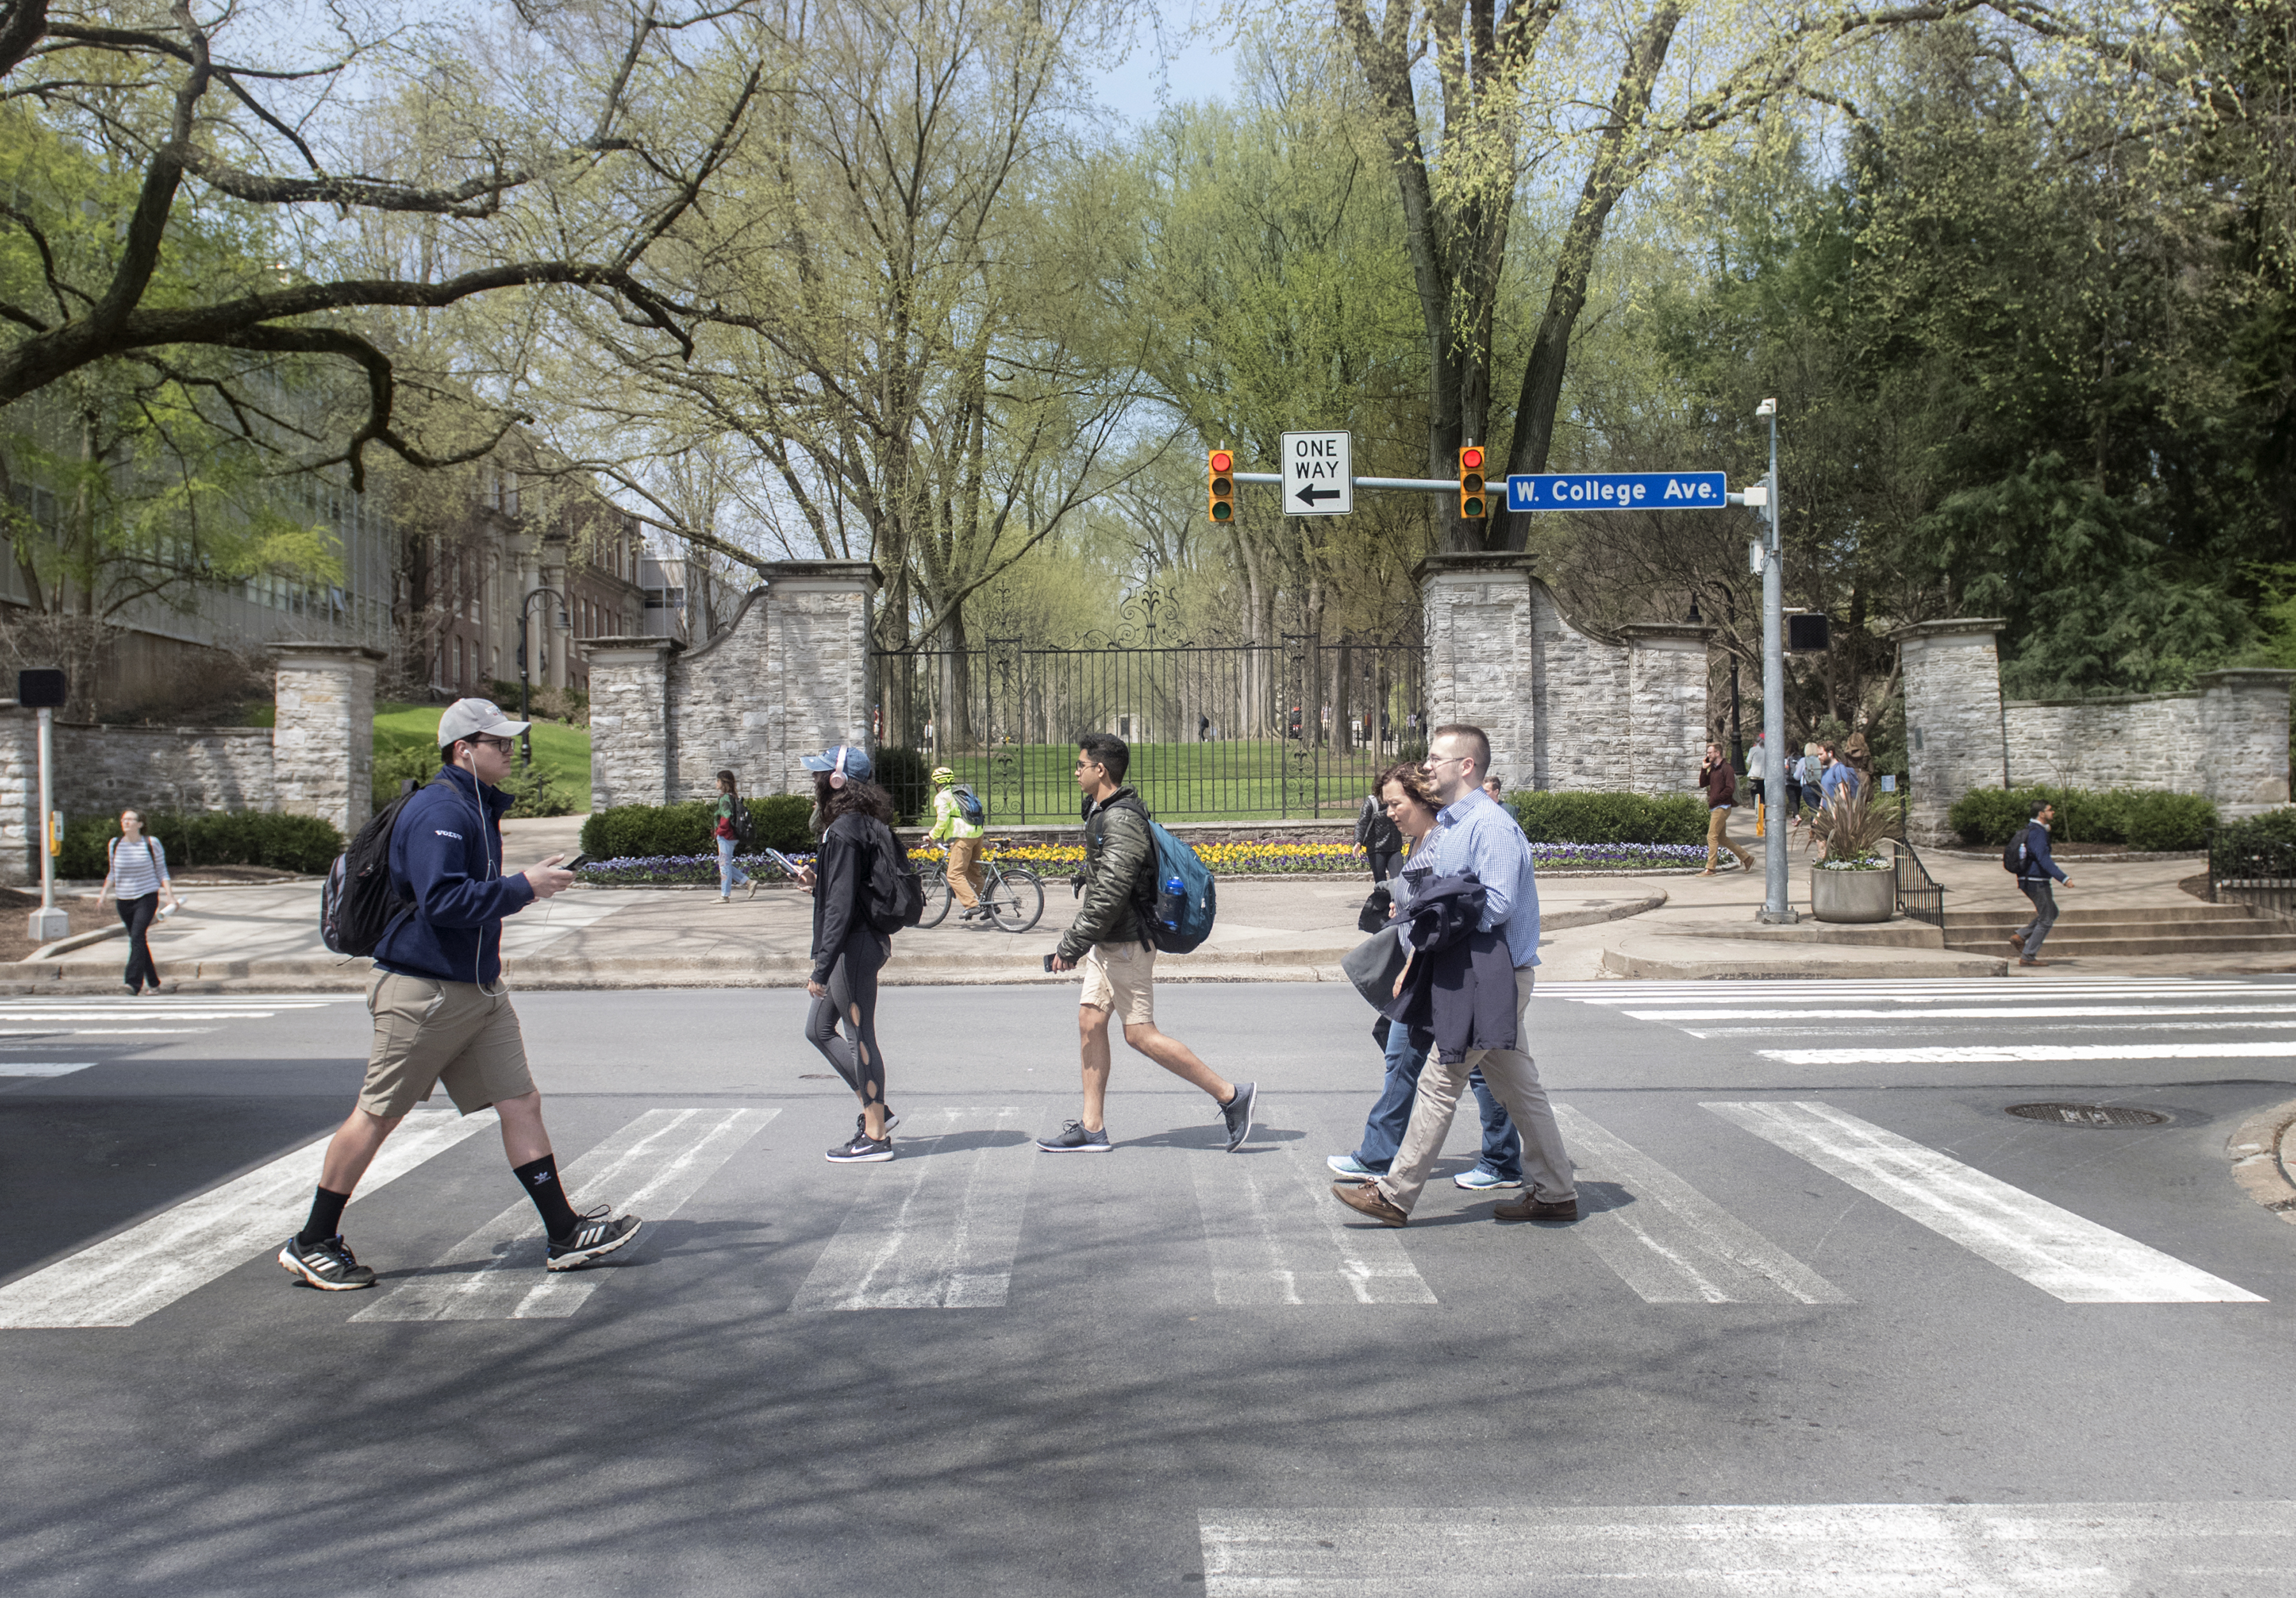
1529	1209
2017	944
2028	960
1365	1198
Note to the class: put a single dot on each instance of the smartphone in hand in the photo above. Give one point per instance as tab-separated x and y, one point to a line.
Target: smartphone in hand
1048	962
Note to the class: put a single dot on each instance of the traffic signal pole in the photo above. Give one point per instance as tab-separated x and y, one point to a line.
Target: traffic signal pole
1777	856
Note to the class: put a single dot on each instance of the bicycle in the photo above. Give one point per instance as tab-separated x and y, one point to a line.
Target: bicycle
1012	894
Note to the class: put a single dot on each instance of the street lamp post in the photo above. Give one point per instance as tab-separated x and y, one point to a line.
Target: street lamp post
526	670
1775	856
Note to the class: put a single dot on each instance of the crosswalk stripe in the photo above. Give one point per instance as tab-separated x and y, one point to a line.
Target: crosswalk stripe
650	1167
2016	1013
42	1068
119	1281
2001	1054
938	1228
2064	1254
1673	1244
2242	1549
1277	1236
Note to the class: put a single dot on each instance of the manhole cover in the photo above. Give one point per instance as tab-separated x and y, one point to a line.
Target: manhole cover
2090	1115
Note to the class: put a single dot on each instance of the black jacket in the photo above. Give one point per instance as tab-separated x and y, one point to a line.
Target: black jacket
840	873
1374	833
1461	984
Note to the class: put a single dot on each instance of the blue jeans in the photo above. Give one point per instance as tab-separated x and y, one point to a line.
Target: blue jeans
728	873
1407	1053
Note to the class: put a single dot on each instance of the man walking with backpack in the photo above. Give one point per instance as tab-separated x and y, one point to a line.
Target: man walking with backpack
1108	941
442	1014
957	818
2028	854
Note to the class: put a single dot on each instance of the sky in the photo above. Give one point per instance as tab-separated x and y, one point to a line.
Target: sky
1167	63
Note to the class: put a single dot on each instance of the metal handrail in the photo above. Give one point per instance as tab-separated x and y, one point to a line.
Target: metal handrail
1919	895
2260	873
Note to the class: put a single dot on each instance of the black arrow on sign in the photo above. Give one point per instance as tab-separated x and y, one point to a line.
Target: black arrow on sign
1309	494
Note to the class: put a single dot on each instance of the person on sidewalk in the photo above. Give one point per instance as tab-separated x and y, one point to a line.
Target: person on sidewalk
1411	804
442	1012
1721	785
138	879
1377	835
2034	869
1474	837
1840	777
848	951
1108	941
1758	773
963	838
727	831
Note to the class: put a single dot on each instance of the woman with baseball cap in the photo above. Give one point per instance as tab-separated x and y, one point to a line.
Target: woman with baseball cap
848	949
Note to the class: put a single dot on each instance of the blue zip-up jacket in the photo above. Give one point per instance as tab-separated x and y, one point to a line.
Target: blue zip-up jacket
446	856
2037	852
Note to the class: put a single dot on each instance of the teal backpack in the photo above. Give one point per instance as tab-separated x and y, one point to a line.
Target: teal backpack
1180	902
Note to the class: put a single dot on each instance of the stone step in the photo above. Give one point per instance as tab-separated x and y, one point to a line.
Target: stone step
2151	914
2153	942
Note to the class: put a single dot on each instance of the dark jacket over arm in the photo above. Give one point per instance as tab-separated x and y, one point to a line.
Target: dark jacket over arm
1116	851
1461	984
839	870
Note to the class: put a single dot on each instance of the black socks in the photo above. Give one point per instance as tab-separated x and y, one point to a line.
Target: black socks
326	1217
539	1177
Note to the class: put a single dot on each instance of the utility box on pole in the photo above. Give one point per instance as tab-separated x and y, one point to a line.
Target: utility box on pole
44	691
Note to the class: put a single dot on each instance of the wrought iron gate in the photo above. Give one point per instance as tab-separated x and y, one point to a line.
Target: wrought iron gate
1298	729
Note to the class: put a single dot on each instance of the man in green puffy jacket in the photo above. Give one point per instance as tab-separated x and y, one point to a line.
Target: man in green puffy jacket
1107	943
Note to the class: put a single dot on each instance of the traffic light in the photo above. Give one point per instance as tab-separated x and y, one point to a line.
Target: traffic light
1473	504
1223	478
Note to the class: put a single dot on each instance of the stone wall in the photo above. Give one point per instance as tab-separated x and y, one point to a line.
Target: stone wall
1565	708
788	677
322	739
2228	739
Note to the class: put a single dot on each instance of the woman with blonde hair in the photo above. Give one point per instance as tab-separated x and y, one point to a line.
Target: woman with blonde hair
137	878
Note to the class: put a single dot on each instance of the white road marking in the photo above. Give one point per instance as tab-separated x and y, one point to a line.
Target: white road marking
2003	1053
650	1167
2241	1550
119	1281
113	1015
42	1068
2062	1254
111	1032
935	1228
1276	1235
2002	1013
1673	1244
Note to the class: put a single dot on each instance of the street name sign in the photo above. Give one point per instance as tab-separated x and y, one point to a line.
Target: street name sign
1618	491
1319	474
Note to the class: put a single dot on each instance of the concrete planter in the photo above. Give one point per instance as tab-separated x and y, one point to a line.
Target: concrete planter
1852	896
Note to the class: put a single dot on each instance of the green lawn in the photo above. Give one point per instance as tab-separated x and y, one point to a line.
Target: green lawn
1230	778
564	749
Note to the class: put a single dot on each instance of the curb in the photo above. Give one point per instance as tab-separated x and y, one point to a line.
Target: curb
2261	1152
77	940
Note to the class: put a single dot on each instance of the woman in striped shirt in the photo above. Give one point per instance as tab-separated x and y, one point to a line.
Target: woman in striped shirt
138	879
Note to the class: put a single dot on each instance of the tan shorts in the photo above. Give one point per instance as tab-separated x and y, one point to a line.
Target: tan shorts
1119	977
428	1032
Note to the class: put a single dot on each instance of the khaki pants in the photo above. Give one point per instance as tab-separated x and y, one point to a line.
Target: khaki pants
1513	1076
1717	839
965	876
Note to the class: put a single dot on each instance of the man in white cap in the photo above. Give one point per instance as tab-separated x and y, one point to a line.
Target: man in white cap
442	1014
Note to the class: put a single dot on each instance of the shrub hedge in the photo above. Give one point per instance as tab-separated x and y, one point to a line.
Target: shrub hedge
636	832
1676	818
2144	819
300	843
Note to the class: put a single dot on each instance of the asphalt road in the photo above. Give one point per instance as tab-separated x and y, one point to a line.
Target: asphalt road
1833	1322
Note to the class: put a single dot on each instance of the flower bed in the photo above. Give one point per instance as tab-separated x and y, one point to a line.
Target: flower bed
1255	857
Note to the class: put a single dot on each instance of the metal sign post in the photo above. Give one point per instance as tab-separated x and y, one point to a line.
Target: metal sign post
44	691
1775	860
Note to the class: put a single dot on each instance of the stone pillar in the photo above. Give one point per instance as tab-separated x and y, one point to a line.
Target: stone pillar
1480	632
1666	704
1955	735
19	793
2243	734
817	668
630	731
323	740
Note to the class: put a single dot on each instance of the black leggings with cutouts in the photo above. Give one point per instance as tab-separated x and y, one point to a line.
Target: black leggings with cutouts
852	1001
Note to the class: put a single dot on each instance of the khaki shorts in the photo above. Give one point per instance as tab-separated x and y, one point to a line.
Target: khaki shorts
1119	977
428	1032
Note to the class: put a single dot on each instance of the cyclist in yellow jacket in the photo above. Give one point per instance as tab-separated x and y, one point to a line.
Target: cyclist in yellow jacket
963	838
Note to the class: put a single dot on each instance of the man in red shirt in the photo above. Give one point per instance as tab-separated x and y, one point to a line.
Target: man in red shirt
1721	785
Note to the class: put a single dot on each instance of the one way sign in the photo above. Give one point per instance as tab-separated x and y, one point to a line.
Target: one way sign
1319	474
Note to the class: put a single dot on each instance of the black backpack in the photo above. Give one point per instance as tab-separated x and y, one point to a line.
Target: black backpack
360	902
892	895
741	821
2012	853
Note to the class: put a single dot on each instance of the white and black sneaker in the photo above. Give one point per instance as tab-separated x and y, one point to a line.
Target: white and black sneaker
1237	1113
327	1263
1074	1139
595	1236
861	1150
